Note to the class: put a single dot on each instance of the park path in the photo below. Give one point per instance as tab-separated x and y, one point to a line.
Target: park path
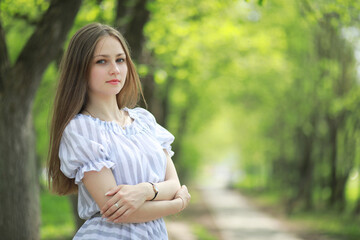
233	216
225	213
237	219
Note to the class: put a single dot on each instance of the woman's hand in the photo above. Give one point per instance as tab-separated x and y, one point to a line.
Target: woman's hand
125	200
184	195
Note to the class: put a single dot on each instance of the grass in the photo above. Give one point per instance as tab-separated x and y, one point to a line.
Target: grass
57	221
202	233
335	225
315	223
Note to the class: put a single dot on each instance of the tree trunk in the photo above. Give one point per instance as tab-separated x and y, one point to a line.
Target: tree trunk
19	189
133	32
304	179
333	182
357	207
19	178
306	171
131	18
74	202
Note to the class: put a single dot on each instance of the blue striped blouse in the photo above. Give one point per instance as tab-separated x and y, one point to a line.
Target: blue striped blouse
133	153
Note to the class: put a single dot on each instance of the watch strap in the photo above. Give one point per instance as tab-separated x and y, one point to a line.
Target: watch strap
156	191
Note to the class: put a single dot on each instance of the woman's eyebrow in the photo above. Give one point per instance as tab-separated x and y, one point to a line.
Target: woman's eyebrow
107	56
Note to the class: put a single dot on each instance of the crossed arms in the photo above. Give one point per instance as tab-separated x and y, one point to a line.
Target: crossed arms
131	203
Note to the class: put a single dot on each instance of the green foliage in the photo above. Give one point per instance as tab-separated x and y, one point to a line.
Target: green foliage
95	11
18	19
28	11
281	85
299	125
57	221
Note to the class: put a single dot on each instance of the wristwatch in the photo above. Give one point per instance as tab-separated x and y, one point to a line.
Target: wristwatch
156	190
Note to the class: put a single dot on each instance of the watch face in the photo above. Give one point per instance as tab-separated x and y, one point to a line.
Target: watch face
156	189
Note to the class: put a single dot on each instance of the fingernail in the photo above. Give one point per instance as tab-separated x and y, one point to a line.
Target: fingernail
107	193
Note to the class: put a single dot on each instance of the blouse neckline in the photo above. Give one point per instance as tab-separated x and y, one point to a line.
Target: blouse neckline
128	129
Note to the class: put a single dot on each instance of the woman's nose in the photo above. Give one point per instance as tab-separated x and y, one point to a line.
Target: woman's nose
114	69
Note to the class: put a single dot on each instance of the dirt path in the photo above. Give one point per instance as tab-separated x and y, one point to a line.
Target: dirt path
237	219
223	214
195	222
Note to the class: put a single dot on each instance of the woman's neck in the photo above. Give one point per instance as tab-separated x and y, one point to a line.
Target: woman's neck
106	110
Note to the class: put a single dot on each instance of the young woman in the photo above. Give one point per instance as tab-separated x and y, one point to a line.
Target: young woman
117	157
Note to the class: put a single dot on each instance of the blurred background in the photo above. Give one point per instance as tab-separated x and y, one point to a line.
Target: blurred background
262	96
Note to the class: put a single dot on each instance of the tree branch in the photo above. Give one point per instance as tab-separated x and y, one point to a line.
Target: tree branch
43	45
307	6
26	18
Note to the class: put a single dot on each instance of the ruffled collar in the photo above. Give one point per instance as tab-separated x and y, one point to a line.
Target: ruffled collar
130	129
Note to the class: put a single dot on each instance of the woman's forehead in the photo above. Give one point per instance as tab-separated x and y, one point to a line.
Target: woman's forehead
109	45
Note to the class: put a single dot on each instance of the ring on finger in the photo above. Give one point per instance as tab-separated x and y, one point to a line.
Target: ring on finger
117	205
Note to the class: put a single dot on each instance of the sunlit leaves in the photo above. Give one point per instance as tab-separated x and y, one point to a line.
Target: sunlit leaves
18	19
24	10
93	11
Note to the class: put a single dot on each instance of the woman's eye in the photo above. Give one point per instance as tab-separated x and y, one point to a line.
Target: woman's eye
101	61
120	60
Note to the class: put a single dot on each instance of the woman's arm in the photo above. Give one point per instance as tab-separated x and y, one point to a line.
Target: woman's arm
156	209
167	189
130	198
171	185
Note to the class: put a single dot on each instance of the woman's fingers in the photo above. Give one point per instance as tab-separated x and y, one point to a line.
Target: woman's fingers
123	216
129	196
112	209
106	209
118	213
109	207
112	200
113	190
121	213
185	196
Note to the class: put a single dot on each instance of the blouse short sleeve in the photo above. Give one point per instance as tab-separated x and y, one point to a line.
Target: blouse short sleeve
164	137
82	149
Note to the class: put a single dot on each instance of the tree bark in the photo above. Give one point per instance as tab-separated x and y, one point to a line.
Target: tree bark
357	207
19	189
131	18
304	172
333	181
133	32
74	202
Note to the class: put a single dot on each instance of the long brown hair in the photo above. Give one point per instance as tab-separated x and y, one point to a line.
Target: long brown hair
71	95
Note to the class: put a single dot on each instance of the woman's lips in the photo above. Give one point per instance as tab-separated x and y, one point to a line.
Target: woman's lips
113	82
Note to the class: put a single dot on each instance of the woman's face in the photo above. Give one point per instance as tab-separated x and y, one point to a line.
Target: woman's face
108	68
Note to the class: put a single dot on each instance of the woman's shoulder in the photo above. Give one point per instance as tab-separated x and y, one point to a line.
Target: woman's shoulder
141	113
79	119
139	110
81	123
